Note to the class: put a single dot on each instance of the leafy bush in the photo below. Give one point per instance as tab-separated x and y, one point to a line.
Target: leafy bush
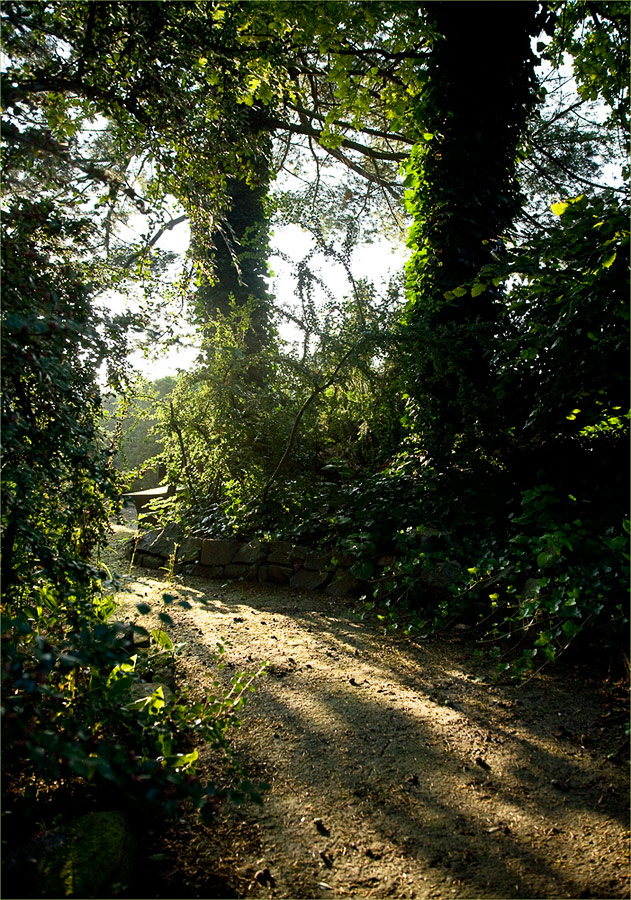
73	710
68	676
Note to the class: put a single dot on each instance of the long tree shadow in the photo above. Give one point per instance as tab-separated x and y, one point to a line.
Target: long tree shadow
483	827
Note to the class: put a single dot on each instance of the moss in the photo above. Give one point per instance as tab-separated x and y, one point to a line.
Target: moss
91	857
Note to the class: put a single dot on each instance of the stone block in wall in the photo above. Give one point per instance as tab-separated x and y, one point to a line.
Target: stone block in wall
160	541
250	553
318	562
277	574
342	583
279	553
200	571
189	550
150	561
299	553
346	560
443	576
309	580
216	552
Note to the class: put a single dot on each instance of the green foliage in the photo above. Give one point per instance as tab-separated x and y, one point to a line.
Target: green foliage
58	483
75	709
247	449
468	461
565	576
556	569
68	677
132	425
597	38
505	375
562	379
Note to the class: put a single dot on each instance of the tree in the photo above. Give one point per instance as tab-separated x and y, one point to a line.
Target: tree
132	426
68	713
597	38
463	196
58	482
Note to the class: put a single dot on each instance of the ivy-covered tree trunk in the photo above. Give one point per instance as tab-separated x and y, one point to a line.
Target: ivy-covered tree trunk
480	87
240	240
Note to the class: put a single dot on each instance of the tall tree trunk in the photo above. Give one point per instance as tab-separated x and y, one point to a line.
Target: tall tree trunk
479	90
240	240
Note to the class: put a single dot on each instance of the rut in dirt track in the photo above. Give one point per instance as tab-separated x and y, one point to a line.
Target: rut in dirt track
396	768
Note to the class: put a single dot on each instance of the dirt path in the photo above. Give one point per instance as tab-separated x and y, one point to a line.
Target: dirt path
396	768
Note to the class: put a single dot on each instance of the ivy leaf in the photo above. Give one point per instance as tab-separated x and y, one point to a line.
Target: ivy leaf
162	639
183	760
546	557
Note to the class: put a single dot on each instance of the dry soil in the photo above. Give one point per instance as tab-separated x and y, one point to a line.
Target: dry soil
396	767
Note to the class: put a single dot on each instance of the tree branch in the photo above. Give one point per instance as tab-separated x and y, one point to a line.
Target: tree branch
154	240
348	144
601	187
42	140
318	389
72	86
175	426
312	114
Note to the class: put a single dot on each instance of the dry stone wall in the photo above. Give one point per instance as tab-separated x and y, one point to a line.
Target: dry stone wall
278	562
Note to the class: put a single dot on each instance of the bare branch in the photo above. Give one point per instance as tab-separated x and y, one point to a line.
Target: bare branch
154	240
43	140
318	389
310	131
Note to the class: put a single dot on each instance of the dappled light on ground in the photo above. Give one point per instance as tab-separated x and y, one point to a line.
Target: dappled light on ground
397	768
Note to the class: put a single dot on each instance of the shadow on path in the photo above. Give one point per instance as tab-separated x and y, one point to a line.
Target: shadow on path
398	768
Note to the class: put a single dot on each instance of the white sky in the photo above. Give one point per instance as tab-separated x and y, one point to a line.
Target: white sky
377	262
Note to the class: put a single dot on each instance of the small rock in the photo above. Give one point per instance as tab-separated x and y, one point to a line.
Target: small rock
326	859
321	827
264	876
88	857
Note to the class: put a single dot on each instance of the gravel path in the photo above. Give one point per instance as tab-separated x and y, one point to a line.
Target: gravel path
397	768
